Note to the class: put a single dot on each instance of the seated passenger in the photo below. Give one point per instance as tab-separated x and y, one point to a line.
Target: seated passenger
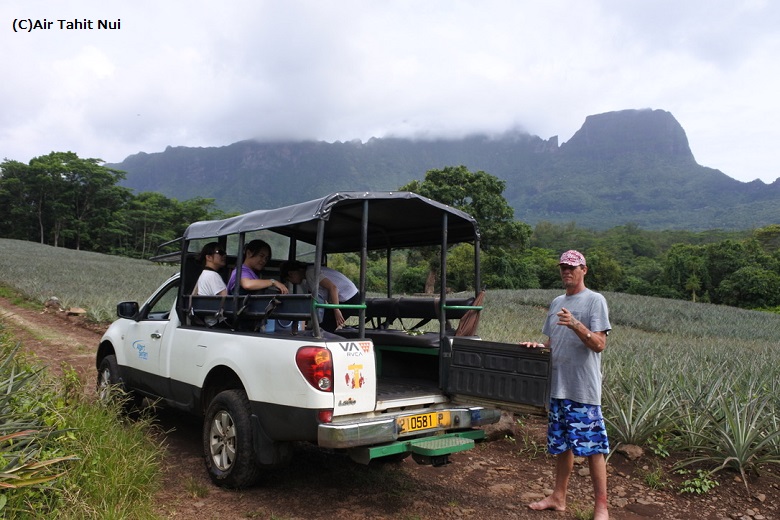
210	282
333	287
256	255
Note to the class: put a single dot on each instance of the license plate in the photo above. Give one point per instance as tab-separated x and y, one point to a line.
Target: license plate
423	421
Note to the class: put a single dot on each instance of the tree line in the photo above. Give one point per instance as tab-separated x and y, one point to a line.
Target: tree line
62	200
738	268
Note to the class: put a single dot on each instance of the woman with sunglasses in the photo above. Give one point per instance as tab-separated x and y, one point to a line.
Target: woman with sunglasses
210	282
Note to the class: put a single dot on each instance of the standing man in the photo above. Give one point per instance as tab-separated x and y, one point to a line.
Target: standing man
577	326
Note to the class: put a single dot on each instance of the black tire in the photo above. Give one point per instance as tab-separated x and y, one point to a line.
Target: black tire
111	386
109	382
227	441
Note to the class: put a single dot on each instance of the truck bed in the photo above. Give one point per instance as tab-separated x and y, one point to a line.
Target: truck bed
402	392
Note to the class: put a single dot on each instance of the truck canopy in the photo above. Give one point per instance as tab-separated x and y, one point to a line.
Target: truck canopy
397	219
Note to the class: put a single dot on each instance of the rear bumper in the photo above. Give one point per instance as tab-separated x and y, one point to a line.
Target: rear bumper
353	433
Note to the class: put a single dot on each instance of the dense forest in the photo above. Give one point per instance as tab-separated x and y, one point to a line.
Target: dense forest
66	201
62	200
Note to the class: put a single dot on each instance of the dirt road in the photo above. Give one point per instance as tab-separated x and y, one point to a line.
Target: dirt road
495	480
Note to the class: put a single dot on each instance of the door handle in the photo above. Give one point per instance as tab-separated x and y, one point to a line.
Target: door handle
156	335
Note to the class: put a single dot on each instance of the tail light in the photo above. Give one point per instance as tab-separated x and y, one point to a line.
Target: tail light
316	366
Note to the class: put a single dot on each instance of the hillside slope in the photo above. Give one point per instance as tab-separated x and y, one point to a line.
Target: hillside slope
629	166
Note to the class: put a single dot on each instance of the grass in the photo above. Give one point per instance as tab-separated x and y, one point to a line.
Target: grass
100	485
698	379
528	444
195	488
581	512
92	281
89	445
655	478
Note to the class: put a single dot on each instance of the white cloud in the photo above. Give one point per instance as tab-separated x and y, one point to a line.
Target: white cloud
198	73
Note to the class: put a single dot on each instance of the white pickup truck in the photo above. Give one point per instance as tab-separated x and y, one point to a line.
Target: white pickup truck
388	386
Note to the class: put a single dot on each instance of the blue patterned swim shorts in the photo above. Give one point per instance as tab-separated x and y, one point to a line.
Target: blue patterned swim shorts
577	427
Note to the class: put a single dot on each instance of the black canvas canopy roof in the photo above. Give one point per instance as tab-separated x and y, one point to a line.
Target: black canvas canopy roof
395	219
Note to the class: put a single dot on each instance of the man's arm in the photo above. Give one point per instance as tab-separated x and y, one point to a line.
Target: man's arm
596	341
333	296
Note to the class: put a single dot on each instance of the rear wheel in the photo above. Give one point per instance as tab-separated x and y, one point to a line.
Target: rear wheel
227	441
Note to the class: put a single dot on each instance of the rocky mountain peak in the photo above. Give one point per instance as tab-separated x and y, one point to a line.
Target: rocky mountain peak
647	131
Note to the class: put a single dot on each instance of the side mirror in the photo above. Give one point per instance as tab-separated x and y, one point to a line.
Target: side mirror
128	310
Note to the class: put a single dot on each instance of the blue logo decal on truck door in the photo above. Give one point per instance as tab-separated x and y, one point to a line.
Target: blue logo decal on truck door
141	348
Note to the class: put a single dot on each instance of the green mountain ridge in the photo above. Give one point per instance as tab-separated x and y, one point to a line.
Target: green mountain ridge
629	166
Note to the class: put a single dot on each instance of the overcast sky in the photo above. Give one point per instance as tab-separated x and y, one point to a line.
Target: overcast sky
208	73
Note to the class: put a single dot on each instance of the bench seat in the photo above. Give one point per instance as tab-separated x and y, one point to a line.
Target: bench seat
394	337
248	311
384	311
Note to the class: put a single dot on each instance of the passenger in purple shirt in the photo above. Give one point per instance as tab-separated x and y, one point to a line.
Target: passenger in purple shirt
256	255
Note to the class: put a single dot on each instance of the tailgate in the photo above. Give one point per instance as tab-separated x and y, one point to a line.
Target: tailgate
502	375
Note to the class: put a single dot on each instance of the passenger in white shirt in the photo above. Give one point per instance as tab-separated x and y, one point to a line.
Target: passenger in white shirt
210	282
333	287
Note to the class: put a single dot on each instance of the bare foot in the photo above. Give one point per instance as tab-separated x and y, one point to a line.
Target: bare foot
547	503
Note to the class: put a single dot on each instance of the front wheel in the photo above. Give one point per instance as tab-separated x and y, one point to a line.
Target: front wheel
108	379
111	386
227	441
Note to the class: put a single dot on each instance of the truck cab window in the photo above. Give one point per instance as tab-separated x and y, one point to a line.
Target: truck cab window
161	307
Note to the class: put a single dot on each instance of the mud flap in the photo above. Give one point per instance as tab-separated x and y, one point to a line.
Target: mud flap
267	451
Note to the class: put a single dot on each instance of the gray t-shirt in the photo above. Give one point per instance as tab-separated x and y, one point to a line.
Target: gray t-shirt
576	369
